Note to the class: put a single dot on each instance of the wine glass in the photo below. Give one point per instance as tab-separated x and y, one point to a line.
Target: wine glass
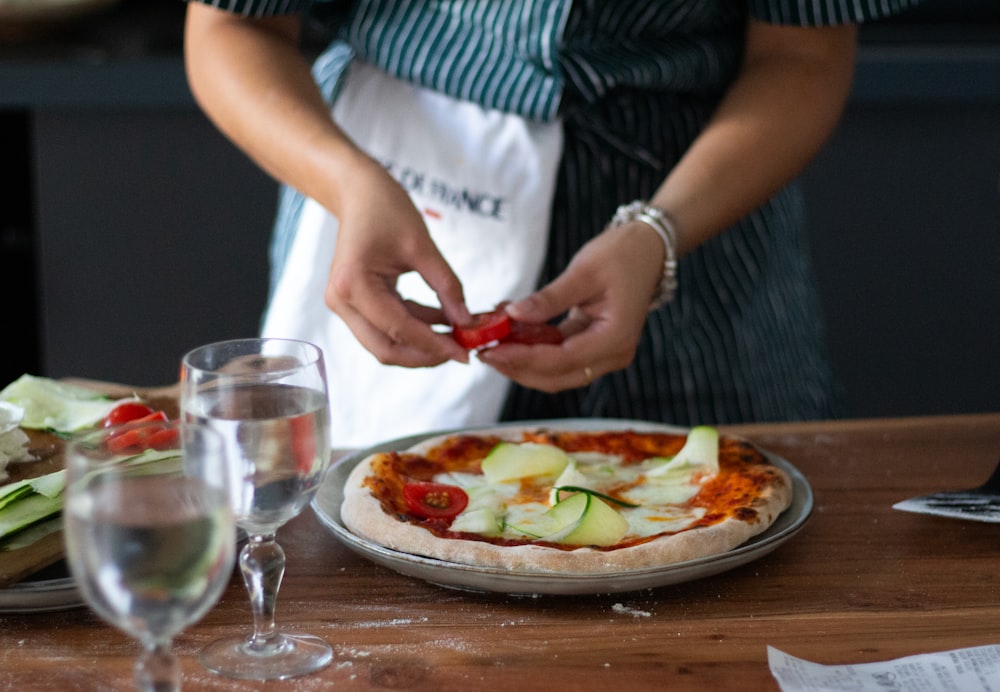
150	534
268	399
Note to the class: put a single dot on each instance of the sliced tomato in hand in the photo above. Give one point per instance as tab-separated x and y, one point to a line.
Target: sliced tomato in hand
483	329
434	500
497	327
531	333
126	412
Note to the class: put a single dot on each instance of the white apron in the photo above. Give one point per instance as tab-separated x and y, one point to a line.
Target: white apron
484	182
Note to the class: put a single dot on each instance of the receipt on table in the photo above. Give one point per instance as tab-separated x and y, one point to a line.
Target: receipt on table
963	670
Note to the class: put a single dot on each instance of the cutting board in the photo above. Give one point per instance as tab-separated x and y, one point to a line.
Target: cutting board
48	449
18	565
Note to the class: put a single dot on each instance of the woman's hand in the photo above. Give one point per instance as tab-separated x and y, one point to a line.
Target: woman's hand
605	292
251	79
381	236
785	102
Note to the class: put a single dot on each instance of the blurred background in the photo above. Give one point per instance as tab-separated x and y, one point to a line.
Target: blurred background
131	231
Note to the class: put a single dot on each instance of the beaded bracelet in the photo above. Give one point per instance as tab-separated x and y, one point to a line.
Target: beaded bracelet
664	226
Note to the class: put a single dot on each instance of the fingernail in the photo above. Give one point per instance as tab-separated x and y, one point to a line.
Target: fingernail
520	308
488	356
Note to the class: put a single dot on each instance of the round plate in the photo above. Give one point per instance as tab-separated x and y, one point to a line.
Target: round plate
456	575
40	596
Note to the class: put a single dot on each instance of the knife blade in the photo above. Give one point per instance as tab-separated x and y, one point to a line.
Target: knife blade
972	505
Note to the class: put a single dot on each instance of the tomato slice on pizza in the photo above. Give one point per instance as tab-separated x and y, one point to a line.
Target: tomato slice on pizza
435	500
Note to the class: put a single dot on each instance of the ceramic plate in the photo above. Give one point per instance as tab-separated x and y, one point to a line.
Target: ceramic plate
455	575
40	596
44	594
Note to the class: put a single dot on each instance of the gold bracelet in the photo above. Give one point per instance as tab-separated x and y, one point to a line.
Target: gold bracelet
666	228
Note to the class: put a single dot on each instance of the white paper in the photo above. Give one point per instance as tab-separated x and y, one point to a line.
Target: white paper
975	669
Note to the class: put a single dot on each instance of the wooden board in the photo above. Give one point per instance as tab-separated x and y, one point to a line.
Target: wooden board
16	565
48	449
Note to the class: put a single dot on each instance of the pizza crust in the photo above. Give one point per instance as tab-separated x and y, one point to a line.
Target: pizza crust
363	514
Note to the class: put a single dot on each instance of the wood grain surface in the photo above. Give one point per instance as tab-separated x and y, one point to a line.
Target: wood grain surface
861	582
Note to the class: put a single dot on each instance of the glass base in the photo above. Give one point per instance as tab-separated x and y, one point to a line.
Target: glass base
285	656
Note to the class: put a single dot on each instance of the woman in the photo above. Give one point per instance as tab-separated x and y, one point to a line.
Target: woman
703	111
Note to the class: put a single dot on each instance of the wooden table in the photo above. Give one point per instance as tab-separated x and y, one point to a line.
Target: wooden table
861	582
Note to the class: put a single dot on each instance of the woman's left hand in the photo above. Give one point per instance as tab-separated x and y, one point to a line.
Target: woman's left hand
785	102
604	293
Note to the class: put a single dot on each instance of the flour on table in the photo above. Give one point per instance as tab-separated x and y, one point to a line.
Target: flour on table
634	612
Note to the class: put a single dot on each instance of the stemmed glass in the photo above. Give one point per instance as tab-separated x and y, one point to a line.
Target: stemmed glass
268	399
150	535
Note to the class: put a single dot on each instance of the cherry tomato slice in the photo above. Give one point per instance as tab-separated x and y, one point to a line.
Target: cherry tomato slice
128	441
126	412
154	417
303	443
485	328
144	433
434	500
531	333
168	438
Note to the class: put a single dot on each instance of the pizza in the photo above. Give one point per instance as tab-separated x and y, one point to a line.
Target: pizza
549	500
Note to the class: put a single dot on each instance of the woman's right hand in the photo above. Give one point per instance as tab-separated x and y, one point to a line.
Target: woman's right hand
250	77
382	236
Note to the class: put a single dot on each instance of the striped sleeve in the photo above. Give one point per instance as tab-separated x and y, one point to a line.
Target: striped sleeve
502	55
259	8
826	12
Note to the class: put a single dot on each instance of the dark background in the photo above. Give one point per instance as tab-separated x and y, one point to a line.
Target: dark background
132	231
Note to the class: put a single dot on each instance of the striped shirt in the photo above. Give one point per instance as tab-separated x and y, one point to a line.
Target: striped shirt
632	82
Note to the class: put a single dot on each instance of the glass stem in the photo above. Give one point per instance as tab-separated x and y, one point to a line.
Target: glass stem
157	669
262	562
